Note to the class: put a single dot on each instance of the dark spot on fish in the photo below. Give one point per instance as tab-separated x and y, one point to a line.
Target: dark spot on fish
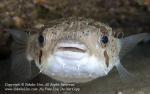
55	26
87	33
54	33
118	34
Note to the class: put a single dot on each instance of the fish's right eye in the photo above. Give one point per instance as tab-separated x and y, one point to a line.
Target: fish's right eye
41	40
104	39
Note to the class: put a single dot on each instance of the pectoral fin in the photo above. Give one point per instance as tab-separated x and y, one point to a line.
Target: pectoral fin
128	43
123	72
20	66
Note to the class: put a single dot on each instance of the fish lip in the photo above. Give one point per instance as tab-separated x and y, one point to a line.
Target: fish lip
73	46
65	57
70	55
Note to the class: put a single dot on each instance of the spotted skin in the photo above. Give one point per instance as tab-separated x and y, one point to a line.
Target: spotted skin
84	31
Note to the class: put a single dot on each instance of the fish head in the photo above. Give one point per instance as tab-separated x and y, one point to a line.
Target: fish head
74	50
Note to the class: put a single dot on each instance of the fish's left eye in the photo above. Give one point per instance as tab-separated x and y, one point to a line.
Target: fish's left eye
104	39
41	40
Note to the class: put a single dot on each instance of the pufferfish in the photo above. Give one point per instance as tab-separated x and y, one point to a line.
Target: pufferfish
71	50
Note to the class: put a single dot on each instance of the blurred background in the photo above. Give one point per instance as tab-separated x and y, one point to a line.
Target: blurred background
128	16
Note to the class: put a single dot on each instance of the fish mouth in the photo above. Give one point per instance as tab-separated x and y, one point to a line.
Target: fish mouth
70	50
71	46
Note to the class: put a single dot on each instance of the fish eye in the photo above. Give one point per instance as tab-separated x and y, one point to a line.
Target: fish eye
41	40
104	39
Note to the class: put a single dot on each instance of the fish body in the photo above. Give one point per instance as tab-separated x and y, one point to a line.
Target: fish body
71	50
